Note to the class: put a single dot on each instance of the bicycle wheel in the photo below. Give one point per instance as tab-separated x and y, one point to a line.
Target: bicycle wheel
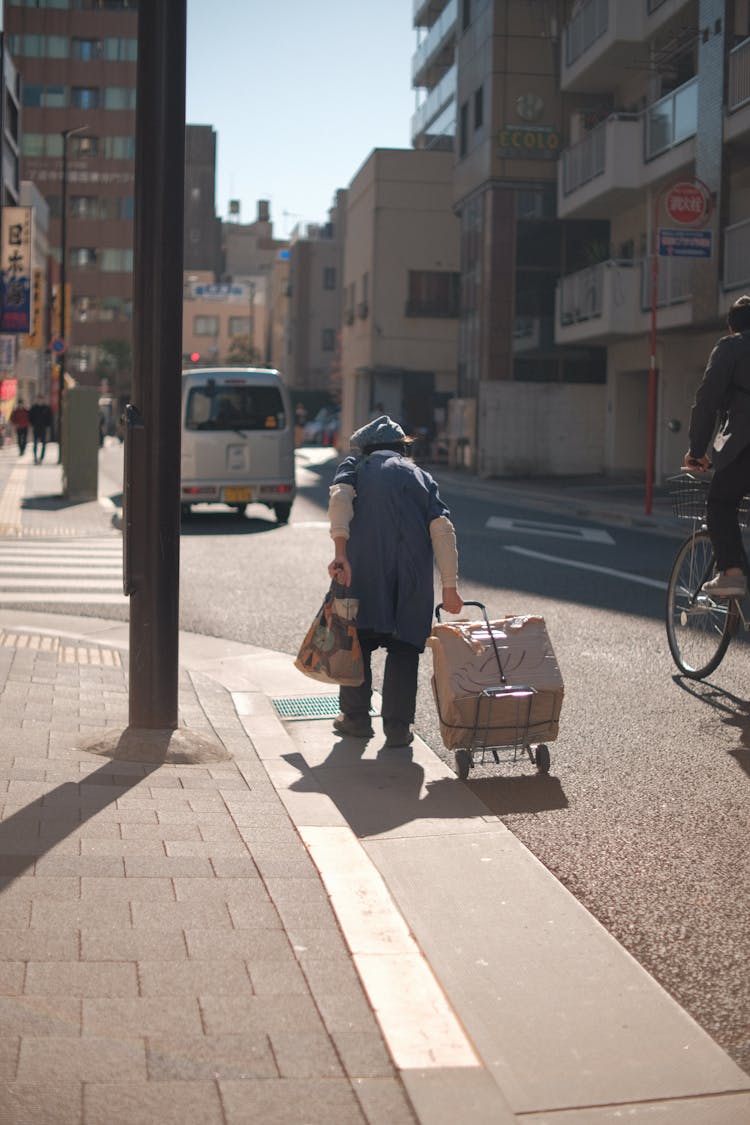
699	628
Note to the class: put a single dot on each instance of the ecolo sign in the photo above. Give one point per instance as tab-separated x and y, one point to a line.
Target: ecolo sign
520	142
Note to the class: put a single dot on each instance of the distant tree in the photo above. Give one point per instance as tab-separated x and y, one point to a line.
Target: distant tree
115	363
241	352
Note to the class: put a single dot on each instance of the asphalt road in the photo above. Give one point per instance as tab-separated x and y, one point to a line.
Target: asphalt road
645	813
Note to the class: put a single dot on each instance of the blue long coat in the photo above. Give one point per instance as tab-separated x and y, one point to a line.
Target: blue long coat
389	549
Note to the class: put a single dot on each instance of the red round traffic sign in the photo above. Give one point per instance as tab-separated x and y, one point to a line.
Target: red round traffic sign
58	345
688	203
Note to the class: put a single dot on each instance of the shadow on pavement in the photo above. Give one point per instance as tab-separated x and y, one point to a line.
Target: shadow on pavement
38	827
377	796
52	503
733	711
227	523
504	795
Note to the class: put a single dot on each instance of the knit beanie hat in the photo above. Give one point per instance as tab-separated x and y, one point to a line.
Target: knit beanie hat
381	431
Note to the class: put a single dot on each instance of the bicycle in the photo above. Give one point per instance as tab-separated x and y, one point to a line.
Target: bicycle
699	627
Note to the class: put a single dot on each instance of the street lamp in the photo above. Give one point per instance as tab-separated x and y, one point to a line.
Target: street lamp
63	278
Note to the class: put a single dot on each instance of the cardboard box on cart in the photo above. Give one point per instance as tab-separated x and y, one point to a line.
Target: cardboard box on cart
465	665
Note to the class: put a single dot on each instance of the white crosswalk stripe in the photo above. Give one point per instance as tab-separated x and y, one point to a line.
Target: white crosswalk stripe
87	571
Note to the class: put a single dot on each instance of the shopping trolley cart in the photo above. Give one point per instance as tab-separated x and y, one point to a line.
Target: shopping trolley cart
497	688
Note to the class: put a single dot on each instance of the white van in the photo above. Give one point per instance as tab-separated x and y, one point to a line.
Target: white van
237	439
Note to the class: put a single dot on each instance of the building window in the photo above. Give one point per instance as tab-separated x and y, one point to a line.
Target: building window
479	108
38	46
329	277
120	50
82	257
84	97
328	339
433	293
463	129
239	326
81	147
119	97
44	97
61	4
83	207
119	148
116	261
206	325
465	14
84	309
115	308
87	49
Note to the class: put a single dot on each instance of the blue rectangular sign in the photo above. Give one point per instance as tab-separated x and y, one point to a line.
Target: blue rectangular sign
684	243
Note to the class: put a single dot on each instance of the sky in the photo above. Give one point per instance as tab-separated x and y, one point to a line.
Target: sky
299	92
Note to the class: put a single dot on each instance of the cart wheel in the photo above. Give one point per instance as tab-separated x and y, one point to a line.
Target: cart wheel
463	763
541	758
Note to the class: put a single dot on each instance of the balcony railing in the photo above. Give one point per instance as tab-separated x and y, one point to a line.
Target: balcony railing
584	160
672	119
435	102
440	30
581	294
585	28
605	291
737	255
739	76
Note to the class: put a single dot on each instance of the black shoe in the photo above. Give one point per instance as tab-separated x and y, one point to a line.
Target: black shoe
398	735
355	728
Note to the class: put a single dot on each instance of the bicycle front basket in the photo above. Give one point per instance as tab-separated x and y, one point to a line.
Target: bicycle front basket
688	495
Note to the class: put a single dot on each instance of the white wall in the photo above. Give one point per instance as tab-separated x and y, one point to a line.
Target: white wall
540	429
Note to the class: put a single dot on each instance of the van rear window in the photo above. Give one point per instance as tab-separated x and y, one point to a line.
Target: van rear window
235	408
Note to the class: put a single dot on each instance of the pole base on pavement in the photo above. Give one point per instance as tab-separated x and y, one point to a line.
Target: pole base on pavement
167	747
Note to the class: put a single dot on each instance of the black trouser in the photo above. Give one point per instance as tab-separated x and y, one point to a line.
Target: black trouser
399	680
22	434
728	487
40	439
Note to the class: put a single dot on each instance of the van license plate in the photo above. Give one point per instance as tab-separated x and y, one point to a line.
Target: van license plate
237	495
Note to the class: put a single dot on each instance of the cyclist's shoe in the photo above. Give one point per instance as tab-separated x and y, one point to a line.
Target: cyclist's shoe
726	586
354	726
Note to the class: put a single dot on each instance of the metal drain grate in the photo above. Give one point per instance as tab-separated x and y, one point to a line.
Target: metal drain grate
309	707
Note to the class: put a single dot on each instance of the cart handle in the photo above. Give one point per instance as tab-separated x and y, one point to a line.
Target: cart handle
480	605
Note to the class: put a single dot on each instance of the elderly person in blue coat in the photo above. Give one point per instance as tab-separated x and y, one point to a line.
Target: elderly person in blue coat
389	525
723	397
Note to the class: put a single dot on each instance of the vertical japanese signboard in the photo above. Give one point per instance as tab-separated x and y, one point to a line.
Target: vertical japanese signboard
15	274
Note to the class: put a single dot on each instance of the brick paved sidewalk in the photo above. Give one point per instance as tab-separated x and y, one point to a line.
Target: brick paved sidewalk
167	951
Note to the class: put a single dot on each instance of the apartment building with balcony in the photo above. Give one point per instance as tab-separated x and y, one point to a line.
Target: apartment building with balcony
77	62
662	93
538	402
434	73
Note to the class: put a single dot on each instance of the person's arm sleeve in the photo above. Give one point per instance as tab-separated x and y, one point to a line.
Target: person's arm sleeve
710	397
443	537
340	509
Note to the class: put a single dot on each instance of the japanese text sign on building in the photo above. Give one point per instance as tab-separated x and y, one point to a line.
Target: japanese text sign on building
7	353
684	243
15	274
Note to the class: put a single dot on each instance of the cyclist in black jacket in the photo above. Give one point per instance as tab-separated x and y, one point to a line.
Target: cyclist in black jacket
723	397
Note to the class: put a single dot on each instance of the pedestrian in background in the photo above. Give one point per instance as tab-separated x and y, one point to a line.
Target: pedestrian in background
19	419
40	417
724	397
389	525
